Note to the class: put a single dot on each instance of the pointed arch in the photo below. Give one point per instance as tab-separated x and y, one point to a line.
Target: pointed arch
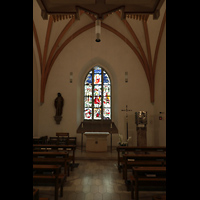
77	33
148	66
38	45
97	95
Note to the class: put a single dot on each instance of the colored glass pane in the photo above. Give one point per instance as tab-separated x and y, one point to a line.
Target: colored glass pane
88	90
106	113
106	79
97	102
97	90
88	102
88	79
88	113
106	90
97	78
106	101
97	70
97	113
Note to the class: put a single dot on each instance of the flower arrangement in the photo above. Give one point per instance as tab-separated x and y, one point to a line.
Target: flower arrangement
121	143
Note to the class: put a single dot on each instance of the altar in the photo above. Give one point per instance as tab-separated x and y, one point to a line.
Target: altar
96	141
95	127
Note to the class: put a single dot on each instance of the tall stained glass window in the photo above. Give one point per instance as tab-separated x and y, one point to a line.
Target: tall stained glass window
97	95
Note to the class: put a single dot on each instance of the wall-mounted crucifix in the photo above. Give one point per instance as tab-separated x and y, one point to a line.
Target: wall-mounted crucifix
126	120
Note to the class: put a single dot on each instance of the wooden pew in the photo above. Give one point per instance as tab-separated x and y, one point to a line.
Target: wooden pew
40	140
72	141
53	140
53	161
62	140
132	149
140	163
51	147
62	134
150	159
147	176
56	178
50	154
36	195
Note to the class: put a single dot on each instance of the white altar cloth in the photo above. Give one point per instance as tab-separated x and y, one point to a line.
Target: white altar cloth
96	141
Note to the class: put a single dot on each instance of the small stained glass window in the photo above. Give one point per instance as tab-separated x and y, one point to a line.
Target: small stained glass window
97	95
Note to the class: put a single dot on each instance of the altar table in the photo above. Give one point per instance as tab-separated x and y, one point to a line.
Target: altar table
96	141
97	126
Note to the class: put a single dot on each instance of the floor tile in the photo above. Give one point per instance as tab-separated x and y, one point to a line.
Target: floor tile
94	189
89	196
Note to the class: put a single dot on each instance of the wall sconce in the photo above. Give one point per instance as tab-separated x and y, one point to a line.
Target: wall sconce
98	30
70	77
126	77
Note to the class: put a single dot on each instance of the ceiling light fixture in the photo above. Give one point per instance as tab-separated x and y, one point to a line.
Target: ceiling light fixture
98	30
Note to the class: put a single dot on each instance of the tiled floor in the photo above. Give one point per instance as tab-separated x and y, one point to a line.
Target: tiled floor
95	179
92	155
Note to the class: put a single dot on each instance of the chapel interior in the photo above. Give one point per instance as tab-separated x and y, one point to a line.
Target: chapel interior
99	66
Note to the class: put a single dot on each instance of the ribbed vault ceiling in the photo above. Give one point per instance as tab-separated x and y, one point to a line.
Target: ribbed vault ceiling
100	8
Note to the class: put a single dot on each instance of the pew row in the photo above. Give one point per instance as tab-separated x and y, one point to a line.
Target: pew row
49	157
150	159
36	195
40	140
59	148
53	161
121	150
49	174
147	176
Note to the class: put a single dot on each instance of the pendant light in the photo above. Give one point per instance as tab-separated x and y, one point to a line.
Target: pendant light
98	30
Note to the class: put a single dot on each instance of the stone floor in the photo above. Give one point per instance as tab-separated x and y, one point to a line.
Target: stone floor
96	178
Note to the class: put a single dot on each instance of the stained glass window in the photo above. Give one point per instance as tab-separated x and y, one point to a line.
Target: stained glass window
97	95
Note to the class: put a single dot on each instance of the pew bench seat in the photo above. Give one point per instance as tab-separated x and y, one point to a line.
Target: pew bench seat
44	179
36	195
65	162
160	183
121	150
130	164
152	177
